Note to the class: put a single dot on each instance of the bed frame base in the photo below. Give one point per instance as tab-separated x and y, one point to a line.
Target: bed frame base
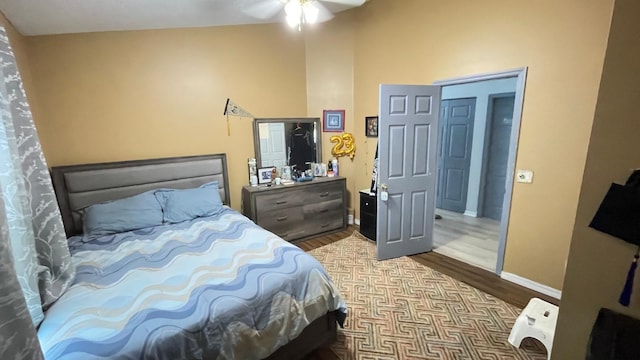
321	332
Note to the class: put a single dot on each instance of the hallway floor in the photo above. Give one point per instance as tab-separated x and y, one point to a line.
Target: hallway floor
466	238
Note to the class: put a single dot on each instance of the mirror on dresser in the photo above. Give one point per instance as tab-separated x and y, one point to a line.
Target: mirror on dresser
287	141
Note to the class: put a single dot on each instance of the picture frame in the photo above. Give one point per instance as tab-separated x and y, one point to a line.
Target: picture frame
371	126
333	120
317	170
264	175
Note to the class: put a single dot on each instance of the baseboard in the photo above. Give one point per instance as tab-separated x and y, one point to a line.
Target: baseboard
544	289
356	221
471	213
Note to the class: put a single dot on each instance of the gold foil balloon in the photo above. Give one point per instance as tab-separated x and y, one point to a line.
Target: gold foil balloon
349	145
344	145
337	148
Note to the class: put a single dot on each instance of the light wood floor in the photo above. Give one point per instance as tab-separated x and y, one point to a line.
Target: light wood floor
472	275
467	238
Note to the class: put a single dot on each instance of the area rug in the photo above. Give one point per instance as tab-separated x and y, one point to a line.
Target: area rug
401	309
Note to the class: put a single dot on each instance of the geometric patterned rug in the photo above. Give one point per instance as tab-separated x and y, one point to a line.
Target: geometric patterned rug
401	309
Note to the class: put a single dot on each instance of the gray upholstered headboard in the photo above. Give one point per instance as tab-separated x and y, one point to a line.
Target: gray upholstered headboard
79	186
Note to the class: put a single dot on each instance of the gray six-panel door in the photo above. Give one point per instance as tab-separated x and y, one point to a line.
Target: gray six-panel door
454	154
499	128
407	138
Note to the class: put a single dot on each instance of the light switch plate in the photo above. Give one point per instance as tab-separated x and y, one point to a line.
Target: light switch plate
524	176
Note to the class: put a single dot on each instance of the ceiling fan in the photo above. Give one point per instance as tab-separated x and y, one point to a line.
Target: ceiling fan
298	12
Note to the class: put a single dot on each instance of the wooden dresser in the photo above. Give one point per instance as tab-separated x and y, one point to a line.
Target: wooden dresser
300	210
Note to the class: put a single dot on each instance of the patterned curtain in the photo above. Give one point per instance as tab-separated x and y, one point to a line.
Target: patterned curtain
34	256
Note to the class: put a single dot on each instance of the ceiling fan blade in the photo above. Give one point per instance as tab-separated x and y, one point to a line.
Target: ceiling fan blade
324	14
264	9
339	5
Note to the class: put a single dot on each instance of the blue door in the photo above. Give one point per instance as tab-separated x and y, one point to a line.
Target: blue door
456	136
499	128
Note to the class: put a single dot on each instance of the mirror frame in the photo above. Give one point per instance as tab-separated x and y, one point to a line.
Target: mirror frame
256	135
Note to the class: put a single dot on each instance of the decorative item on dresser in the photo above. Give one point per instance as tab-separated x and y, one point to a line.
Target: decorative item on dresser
368	209
298	211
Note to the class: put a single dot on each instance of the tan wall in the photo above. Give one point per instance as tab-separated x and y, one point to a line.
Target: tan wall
146	94
19	45
130	95
598	263
329	50
562	43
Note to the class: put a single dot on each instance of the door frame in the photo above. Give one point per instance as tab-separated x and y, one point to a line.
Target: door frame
521	75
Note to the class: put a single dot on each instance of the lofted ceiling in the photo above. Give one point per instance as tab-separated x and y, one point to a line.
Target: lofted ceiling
44	17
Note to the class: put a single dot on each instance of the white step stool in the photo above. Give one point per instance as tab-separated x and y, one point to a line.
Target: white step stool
537	320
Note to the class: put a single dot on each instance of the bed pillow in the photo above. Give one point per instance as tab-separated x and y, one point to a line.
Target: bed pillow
187	204
132	213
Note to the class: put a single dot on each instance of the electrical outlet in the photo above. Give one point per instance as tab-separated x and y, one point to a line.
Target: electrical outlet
524	176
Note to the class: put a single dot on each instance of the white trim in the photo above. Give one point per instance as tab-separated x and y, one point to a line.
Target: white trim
357	222
530	284
471	213
481	77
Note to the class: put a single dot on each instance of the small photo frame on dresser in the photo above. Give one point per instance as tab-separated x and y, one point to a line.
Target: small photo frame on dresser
264	175
317	170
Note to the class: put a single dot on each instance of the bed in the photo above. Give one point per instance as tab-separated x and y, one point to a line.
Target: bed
211	286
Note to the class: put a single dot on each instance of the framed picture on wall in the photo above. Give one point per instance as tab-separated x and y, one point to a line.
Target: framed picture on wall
333	120
371	126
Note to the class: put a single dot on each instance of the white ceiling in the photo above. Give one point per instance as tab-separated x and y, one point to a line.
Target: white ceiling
42	17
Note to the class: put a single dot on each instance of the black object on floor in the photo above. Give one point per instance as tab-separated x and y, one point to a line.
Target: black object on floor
438	217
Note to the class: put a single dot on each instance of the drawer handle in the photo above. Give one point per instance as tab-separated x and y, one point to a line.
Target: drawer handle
281	218
324	194
325	225
283	235
280	202
323	211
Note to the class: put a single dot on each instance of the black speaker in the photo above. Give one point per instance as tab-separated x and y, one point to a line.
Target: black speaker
619	213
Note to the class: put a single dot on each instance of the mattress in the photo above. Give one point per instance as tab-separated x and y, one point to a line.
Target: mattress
217	287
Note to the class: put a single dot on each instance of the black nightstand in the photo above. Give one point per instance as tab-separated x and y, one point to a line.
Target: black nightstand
368	214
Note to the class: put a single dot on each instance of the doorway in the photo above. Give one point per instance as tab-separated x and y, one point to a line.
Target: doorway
474	230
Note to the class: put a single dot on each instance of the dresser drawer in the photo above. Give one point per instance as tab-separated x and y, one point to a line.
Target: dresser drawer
368	204
292	234
331	220
323	192
368	225
368	214
283	220
322	208
278	200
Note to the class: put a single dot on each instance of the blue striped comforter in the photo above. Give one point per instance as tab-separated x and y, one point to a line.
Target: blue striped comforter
218	287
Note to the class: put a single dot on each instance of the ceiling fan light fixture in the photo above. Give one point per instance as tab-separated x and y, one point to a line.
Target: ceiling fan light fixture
293	8
300	12
310	13
293	21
